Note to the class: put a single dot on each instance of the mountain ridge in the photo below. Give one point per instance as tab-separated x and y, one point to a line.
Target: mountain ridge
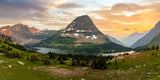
148	37
23	34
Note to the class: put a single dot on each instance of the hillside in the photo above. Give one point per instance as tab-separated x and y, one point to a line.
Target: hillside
82	36
149	38
139	66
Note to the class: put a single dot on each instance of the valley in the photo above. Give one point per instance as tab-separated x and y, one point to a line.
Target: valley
79	40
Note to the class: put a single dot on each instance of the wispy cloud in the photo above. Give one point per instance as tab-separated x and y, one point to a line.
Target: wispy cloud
70	6
115	17
126	23
128	13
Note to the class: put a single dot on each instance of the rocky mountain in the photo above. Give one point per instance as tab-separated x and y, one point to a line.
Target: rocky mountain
112	39
84	30
81	36
152	37
22	34
33	29
131	39
6	31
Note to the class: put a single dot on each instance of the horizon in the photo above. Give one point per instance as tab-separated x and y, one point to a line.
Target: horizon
116	18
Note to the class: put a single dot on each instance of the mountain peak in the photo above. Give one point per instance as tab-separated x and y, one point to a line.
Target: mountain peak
83	28
82	24
83	16
19	24
33	29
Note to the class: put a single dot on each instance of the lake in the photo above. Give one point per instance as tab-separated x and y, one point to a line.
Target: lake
46	50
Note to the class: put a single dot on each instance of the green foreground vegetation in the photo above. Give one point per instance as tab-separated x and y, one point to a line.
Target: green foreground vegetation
139	66
17	63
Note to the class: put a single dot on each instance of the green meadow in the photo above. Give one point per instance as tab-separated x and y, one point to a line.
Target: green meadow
139	66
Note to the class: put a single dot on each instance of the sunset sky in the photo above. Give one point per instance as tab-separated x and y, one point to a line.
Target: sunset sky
118	18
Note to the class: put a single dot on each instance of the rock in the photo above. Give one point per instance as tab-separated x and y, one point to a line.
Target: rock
144	65
35	68
149	73
21	63
82	79
9	66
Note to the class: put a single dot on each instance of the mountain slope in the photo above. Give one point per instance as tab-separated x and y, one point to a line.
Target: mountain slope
150	38
81	36
22	34
6	45
131	39
114	40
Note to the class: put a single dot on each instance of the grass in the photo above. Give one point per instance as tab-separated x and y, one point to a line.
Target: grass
143	66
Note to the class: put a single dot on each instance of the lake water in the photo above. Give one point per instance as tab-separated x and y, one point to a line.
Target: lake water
46	50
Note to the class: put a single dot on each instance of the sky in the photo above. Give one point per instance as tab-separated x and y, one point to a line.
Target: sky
118	18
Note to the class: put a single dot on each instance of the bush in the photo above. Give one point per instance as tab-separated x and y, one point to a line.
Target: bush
47	62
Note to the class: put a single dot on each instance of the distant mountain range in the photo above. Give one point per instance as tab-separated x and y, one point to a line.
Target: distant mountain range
151	38
131	39
82	36
112	39
22	34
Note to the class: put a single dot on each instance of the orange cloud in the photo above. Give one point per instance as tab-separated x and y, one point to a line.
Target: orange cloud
130	18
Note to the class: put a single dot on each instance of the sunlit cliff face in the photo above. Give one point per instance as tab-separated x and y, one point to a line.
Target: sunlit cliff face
119	18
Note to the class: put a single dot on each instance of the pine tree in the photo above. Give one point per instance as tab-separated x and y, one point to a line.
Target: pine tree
157	47
153	47
61	61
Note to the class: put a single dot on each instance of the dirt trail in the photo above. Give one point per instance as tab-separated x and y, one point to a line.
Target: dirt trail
61	72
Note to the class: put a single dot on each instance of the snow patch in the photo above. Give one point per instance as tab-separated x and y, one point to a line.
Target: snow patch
81	31
76	34
88	37
69	29
92	37
29	40
4	30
